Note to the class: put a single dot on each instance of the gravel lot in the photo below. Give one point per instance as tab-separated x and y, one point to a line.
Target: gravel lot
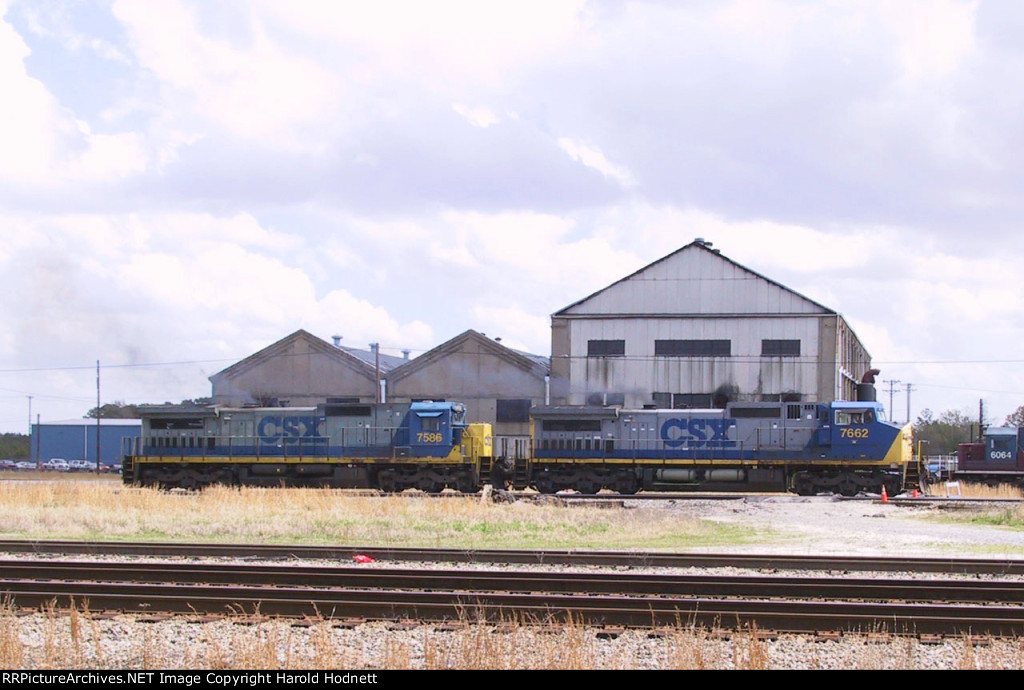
817	525
831	525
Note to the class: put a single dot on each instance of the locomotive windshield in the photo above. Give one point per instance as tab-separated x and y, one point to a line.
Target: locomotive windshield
855	416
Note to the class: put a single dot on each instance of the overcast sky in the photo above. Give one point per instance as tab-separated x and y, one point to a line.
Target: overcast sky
185	182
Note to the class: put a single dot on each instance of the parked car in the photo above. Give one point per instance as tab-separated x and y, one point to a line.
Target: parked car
81	465
25	465
57	465
8	465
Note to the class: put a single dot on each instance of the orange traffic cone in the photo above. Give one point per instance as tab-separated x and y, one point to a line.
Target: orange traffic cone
885	496
915	493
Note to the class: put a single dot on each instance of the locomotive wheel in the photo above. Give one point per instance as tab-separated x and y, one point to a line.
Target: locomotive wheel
627	484
429	486
848	487
546	485
386	482
803	486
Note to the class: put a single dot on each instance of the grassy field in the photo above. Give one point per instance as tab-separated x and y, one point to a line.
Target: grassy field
100	507
108	510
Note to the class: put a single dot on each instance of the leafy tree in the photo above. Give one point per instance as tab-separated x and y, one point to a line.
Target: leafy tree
14	446
1015	418
120	410
945	433
114	410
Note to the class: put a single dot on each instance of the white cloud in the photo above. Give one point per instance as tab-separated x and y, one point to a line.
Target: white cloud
259	90
31	127
592	157
478	117
444	43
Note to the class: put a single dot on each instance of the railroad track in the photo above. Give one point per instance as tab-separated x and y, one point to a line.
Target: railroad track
620	559
782	604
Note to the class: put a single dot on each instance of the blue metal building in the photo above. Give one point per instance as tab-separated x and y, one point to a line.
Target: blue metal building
75	439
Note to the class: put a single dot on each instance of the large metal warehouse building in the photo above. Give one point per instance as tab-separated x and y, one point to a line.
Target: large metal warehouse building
696	329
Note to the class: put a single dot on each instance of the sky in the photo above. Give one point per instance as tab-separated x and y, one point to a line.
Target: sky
183	183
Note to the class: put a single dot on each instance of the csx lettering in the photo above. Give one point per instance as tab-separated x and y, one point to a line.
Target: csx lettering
273	428
698	433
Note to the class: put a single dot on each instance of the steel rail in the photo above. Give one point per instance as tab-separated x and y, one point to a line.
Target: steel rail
550	609
540	556
631	584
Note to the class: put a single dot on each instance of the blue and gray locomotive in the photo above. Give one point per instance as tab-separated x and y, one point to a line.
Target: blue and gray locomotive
839	447
392	447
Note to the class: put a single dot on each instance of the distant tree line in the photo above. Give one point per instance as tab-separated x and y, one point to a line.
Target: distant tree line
953	427
122	410
14	446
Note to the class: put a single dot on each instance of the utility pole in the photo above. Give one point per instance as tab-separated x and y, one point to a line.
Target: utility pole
98	415
892	389
29	427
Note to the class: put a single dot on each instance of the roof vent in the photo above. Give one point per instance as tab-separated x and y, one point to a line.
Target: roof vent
337	340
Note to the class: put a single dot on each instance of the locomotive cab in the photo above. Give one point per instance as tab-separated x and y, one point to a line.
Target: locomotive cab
436	427
999	458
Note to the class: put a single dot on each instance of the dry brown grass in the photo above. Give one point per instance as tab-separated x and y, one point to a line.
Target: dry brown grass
70	640
95	510
968	490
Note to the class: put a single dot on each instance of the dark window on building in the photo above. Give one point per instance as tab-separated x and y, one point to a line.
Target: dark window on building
606	348
604	399
780	348
513	410
342	400
662	400
693	348
682	401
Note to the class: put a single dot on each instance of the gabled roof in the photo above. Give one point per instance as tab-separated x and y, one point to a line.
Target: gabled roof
695	246
533	364
361	363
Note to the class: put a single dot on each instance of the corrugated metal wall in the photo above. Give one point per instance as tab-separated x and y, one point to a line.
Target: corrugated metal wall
696	294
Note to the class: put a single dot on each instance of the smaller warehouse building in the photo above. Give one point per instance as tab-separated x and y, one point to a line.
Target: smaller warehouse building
300	370
75	439
498	384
